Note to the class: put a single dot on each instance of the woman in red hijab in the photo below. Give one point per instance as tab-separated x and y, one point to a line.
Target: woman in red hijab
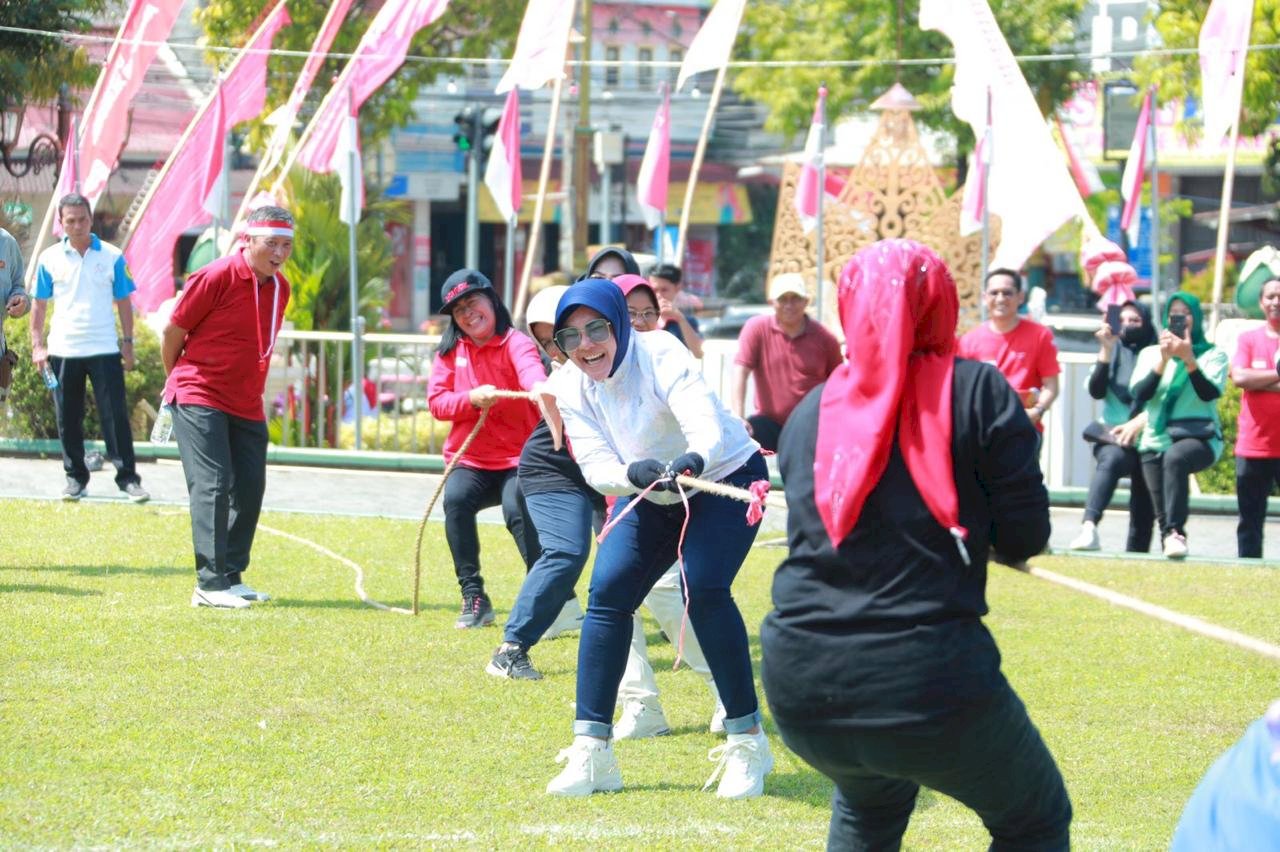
903	473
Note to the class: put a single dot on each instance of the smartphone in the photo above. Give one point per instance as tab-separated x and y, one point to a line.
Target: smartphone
1178	325
1113	319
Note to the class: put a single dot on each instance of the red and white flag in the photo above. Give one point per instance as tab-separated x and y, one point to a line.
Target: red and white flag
655	168
350	171
503	175
283	117
1135	171
380	52
541	45
975	200
713	44
808	194
1224	47
106	117
188	187
1083	171
984	62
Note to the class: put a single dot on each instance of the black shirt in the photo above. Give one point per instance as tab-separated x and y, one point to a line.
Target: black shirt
887	629
544	468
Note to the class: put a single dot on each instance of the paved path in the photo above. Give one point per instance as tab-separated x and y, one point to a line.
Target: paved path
405	495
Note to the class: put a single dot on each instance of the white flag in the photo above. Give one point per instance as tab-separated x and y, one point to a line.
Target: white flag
714	42
350	171
541	45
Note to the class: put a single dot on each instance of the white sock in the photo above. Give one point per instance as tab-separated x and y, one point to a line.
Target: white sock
590	742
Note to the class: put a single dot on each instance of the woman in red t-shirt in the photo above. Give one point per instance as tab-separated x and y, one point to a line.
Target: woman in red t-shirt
480	353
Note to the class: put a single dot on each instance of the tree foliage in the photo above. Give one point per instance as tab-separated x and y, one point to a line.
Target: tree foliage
841	30
33	66
1176	77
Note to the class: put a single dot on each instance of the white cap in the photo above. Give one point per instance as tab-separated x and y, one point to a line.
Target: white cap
542	307
787	282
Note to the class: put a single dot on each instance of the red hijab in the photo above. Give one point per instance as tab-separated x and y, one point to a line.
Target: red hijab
898	307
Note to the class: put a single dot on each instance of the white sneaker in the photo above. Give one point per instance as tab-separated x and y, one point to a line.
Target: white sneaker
569	619
591	767
1087	539
717	718
1175	546
219	599
243	590
641	718
744	761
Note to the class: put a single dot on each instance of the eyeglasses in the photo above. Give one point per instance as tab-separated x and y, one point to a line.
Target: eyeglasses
646	316
569	339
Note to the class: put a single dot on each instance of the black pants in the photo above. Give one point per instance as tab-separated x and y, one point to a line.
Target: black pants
989	758
1168	477
1255	479
766	431
466	492
1115	463
106	372
224	459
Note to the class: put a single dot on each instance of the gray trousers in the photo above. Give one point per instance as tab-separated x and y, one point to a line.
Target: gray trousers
224	459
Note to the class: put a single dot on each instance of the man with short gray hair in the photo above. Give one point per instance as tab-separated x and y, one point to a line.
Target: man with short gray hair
217	350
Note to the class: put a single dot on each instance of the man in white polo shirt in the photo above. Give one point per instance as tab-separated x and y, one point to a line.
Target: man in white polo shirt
86	276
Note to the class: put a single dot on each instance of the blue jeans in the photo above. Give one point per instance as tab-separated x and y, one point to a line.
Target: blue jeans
990	758
563	522
636	553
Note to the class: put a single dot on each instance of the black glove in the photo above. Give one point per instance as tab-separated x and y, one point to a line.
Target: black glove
690	464
645	472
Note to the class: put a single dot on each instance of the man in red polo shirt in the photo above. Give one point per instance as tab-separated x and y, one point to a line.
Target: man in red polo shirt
1254	371
217	349
1021	349
788	353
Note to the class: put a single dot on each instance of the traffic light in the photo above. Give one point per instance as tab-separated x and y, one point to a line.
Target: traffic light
465	137
488	129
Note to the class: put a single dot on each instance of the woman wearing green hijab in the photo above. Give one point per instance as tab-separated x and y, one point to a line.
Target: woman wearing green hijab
1178	381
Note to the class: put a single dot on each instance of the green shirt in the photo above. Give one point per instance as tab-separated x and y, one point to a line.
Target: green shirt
1213	363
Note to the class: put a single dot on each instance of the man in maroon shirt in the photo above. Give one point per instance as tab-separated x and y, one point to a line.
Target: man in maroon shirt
788	353
216	350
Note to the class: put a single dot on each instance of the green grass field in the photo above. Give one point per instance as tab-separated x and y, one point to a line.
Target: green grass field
130	719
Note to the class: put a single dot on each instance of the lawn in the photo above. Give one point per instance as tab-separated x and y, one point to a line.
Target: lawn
131	719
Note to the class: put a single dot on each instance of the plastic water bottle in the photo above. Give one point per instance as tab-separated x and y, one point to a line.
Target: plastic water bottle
49	376
162	431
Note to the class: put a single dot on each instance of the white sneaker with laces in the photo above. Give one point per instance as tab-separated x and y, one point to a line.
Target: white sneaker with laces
223	599
244	590
569	619
591	767
1087	538
741	764
641	718
718	717
1175	546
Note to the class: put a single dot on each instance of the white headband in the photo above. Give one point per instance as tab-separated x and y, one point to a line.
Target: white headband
272	228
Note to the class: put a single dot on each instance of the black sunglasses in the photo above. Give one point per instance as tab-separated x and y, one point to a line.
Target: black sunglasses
569	339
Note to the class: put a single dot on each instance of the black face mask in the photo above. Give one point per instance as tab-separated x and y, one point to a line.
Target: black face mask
1132	335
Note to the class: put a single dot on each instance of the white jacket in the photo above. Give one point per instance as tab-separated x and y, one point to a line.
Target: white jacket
655	406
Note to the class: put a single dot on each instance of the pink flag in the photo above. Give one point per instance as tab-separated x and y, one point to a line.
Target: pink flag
975	199
713	44
1135	170
1224	47
1028	185
808	195
502	174
106	117
179	198
1083	172
541	45
655	168
284	117
380	52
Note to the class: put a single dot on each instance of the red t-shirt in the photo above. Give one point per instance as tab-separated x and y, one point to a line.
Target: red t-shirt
785	368
222	364
508	362
1025	356
1258	431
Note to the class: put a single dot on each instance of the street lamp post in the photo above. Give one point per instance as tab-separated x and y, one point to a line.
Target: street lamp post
45	150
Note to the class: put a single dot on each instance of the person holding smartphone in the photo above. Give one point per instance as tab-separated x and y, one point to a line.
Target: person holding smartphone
1126	332
1178	381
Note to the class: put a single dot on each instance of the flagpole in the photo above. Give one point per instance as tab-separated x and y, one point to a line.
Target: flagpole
818	244
986	206
1224	215
699	152
353	285
509	261
1155	212
661	233
535	227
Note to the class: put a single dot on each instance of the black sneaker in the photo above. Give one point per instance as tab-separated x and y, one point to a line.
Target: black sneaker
136	492
476	611
74	491
512	661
